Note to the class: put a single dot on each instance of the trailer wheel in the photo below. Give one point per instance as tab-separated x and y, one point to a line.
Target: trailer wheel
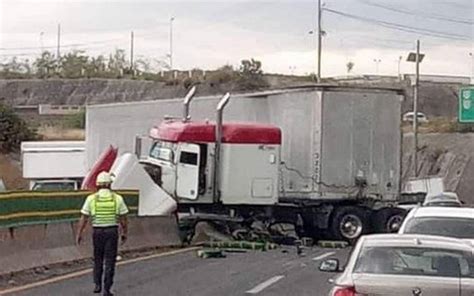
349	223
388	220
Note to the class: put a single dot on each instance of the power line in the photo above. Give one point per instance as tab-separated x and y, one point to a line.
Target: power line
62	46
91	47
76	44
400	27
418	13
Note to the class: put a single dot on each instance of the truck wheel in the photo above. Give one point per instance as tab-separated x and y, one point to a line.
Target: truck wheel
349	223
388	220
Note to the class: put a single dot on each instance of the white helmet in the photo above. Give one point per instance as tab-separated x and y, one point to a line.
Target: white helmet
104	178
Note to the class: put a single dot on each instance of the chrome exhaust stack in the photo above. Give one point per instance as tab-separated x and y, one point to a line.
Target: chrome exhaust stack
187	101
217	149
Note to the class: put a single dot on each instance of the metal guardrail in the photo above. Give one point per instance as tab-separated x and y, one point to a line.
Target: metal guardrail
19	208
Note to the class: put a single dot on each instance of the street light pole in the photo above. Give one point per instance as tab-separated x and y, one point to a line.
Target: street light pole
472	67
399	62
41	42
171	43
58	53
131	53
415	110
320	34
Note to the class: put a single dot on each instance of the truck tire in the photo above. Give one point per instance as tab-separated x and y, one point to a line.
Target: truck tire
388	220
349	223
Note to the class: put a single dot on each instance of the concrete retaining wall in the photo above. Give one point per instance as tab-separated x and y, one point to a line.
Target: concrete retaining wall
40	245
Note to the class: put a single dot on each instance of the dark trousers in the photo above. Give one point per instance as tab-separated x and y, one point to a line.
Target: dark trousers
105	240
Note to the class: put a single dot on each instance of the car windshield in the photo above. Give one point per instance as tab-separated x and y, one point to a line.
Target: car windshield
414	261
453	227
441	198
54	186
438	203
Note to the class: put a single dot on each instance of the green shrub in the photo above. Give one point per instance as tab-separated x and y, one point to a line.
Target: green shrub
77	121
222	75
251	75
13	130
464	127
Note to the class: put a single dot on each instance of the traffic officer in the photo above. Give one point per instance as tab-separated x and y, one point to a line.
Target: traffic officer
107	210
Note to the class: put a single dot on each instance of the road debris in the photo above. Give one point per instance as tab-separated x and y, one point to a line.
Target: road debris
210	253
333	244
257	246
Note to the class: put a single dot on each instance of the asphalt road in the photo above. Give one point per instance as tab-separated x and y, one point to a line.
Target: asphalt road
273	273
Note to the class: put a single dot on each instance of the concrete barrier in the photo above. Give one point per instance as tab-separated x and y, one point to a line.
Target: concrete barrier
34	246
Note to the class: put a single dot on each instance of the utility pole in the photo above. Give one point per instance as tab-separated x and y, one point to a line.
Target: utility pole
415	110
320	35
399	62
131	52
41	42
58	53
171	43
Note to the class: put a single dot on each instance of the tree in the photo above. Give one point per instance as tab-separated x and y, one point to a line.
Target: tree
223	74
73	64
117	62
13	130
45	64
15	68
251	67
96	67
251	75
350	65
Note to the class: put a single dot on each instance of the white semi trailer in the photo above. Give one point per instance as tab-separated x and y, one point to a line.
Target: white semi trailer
326	158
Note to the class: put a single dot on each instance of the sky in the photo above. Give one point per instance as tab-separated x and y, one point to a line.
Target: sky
373	34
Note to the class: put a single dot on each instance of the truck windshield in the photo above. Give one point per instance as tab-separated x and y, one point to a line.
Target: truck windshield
162	151
454	227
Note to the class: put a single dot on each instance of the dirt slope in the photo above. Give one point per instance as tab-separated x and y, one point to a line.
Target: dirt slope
450	156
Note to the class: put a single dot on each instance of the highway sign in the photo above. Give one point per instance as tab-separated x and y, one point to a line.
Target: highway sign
466	105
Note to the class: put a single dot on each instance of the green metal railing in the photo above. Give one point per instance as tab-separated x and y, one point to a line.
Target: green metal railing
18	208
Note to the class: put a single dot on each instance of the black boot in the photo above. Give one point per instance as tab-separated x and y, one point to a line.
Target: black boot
108	293
97	289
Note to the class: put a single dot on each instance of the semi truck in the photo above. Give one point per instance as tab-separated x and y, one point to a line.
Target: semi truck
324	158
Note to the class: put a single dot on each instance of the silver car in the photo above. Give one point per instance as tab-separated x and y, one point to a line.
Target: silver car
405	265
445	199
452	222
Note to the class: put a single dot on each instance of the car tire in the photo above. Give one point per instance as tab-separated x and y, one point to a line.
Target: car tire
349	223
388	220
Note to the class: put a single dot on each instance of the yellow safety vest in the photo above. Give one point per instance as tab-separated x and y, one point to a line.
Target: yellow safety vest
104	210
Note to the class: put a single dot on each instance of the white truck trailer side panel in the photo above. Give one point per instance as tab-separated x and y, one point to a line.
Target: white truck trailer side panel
53	160
361	137
118	124
330	134
299	117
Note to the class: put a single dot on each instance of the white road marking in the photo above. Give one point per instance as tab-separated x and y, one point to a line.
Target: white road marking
320	257
89	270
260	287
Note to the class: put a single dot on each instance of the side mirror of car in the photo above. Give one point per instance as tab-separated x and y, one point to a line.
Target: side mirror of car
330	265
